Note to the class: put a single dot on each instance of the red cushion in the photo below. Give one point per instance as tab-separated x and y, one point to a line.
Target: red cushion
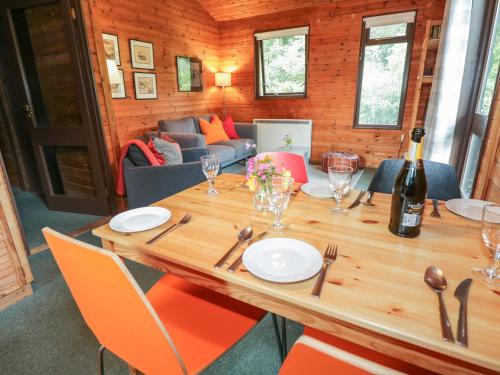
155	152
228	125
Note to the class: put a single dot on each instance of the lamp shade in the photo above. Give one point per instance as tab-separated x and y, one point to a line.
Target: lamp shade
113	73
222	79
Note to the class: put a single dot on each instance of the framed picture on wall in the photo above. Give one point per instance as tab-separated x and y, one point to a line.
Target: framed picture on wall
111	47
118	89
145	86
141	54
189	74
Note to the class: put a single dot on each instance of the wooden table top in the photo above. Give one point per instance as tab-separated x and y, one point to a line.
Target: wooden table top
377	281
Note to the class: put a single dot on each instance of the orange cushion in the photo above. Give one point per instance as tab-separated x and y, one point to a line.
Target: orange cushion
203	324
213	130
303	359
361	351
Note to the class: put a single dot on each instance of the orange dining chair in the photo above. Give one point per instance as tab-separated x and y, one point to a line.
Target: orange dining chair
176	328
329	352
312	356
293	162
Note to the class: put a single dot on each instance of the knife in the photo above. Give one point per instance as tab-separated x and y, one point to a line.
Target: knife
233	267
358	199
462	293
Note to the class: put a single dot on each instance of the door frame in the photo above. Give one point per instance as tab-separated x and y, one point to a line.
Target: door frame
83	70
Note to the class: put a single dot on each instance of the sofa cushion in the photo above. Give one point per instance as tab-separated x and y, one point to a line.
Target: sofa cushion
224	153
242	146
170	150
137	157
228	125
183	125
196	121
213	131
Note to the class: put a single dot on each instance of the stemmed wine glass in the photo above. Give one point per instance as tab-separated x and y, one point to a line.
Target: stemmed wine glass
210	165
279	189
490	231
339	177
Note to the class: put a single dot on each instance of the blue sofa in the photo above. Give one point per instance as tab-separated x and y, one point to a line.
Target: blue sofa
186	131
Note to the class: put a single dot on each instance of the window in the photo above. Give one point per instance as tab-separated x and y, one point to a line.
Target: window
383	70
281	63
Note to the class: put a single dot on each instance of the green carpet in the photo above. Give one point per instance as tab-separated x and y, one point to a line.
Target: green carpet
45	333
35	215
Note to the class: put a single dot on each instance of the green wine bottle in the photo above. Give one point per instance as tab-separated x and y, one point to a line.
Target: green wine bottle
409	191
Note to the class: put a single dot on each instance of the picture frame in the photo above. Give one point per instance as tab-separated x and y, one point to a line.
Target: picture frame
118	90
111	47
189	74
141	54
145	86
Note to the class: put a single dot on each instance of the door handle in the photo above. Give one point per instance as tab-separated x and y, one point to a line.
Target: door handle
27	111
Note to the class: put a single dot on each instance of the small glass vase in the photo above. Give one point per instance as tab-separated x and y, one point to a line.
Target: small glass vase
260	201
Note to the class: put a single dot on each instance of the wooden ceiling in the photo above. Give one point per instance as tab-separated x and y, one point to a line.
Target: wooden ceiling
227	10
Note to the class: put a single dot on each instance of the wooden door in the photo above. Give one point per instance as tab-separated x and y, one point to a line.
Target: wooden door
56	101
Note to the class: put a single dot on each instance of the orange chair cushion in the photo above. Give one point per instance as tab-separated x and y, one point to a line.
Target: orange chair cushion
213	130
202	323
361	351
303	359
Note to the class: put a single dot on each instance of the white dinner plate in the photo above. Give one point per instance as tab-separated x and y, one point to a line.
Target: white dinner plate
139	219
469	208
282	260
317	190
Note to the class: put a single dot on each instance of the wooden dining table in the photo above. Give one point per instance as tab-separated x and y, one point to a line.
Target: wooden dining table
374	294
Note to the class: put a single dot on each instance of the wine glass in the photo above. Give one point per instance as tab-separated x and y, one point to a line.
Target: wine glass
339	178
490	232
279	189
210	165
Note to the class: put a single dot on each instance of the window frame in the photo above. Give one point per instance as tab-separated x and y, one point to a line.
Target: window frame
366	41
260	68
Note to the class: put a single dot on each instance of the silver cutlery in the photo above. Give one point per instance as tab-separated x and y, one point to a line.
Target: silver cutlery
462	294
244	235
435	211
329	257
434	277
369	200
233	267
357	201
183	221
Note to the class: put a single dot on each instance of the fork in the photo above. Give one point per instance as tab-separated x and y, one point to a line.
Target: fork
369	200
329	257
183	221
435	211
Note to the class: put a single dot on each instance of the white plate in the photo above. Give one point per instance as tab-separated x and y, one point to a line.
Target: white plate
282	260
317	190
469	208
139	219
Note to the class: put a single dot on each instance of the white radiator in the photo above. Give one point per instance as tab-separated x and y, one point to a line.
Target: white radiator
270	133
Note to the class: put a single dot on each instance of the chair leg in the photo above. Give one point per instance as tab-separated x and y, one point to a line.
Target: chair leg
100	360
278	335
283	337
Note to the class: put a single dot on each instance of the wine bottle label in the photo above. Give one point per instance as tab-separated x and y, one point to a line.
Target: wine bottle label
412	215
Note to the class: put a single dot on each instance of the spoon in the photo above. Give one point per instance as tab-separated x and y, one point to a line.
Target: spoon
244	235
434	277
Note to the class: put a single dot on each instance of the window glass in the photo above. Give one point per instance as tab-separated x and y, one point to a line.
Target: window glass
489	84
389	31
382	81
284	61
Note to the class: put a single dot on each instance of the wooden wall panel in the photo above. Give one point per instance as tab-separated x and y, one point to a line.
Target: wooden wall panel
8	154
175	28
335	31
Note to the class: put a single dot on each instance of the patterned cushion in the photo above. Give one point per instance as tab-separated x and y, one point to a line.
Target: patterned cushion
170	151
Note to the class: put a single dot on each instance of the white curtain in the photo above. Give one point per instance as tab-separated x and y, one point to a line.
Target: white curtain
442	110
